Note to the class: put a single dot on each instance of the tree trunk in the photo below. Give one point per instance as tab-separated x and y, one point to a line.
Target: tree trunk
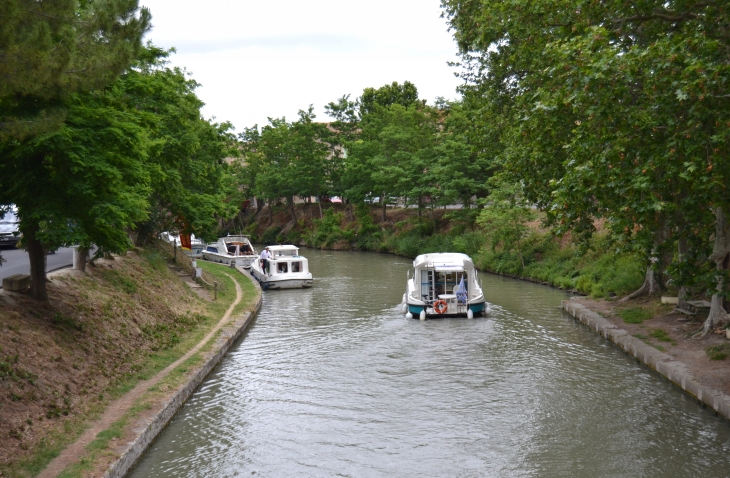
649	287
37	257
271	214
682	291
719	256
319	203
82	255
420	205
350	216
290	203
382	199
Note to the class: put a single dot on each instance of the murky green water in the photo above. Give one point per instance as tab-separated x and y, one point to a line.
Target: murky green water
334	381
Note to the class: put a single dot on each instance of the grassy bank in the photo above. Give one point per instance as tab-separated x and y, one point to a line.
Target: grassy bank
597	270
63	362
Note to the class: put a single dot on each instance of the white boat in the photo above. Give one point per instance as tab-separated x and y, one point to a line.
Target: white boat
443	284
231	250
287	269
196	245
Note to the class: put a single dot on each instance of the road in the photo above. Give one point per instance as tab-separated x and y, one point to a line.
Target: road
18	263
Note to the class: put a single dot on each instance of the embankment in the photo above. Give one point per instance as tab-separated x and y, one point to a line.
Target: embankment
62	363
683	366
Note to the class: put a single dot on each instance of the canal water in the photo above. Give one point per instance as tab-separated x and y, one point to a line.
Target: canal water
334	381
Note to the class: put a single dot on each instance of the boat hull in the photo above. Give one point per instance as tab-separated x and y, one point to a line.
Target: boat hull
273	282
242	261
479	308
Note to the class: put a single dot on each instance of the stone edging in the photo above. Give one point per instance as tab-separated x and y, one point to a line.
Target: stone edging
673	370
149	431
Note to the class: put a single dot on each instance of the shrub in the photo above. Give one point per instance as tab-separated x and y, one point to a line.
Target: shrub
270	235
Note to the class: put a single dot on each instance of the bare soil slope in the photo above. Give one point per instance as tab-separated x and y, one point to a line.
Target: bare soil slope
63	360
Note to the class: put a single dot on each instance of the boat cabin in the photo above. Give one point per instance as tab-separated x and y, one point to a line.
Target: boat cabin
443	283
286	260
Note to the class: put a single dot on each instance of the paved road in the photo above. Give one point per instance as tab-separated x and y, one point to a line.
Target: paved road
18	263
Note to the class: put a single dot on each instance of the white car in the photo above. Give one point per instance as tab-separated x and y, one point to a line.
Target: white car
9	233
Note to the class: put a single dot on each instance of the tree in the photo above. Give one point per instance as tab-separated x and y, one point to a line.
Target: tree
387	95
85	183
136	146
465	156
615	110
49	50
504	218
191	185
293	159
395	148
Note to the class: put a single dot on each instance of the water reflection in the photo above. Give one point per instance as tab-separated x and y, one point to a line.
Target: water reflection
334	381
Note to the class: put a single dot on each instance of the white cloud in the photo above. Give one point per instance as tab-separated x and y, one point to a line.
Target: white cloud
272	58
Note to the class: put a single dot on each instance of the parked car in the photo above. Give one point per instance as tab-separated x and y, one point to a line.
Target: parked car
9	232
392	200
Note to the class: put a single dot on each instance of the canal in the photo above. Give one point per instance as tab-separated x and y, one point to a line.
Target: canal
334	381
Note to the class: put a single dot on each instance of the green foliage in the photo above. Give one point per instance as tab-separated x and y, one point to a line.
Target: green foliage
404	95
504	218
155	259
618	111
49	50
635	315
288	159
270	235
718	352
119	281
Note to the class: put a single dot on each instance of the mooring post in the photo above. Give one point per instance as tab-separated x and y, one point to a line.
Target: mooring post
215	290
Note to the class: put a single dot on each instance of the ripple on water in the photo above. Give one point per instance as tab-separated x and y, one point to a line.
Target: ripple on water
334	381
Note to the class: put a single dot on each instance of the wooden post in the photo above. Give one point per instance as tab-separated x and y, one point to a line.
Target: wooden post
215	290
174	251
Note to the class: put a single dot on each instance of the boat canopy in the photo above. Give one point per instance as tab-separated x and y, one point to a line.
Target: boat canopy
444	261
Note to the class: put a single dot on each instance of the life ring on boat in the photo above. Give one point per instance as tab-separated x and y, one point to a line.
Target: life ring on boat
440	306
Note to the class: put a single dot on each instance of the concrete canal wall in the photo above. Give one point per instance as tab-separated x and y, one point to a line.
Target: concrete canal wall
148	432
676	372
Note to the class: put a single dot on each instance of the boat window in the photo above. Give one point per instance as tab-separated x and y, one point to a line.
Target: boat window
281	267
212	249
425	285
445	283
296	267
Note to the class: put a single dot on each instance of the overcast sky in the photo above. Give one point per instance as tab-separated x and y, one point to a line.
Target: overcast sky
271	58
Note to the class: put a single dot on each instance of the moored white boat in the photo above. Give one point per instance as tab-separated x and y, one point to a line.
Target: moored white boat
444	284
287	269
231	249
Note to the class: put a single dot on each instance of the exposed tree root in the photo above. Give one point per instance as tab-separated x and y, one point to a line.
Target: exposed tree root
649	287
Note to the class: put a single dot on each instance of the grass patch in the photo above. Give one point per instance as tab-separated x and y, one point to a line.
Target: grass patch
119	282
662	336
635	315
718	352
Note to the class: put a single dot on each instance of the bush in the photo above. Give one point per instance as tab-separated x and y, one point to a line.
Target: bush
271	235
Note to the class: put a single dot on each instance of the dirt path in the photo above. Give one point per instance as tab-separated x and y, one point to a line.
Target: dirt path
116	409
